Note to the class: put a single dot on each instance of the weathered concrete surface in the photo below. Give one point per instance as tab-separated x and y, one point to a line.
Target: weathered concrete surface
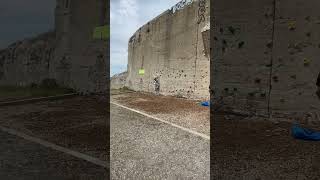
27	61
69	54
296	63
171	46
259	65
118	81
80	61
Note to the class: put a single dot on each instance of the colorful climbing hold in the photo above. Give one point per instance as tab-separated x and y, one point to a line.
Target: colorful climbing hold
292	25
306	62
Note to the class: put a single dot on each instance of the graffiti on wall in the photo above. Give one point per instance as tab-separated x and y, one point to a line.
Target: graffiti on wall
202	11
180	5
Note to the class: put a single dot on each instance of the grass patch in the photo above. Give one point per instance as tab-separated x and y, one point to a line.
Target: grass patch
125	89
32	91
120	91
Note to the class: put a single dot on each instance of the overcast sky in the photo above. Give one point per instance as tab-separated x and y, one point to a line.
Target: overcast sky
126	17
21	19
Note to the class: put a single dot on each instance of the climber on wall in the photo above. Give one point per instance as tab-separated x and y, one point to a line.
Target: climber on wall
318	85
156	85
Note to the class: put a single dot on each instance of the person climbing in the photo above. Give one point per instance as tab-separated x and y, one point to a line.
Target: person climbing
156	85
318	85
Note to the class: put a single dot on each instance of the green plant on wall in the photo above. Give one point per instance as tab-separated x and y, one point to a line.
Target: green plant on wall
101	32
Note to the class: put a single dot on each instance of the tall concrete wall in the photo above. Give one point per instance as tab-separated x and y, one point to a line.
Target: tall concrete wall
80	61
69	54
265	56
171	46
27	61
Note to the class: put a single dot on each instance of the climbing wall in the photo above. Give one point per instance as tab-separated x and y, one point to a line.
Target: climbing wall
265	56
296	62
241	54
171	47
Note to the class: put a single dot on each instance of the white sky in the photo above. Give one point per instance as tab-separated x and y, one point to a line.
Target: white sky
126	17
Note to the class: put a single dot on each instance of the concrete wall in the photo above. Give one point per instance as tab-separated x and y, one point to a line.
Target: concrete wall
118	81
171	46
266	66
27	61
70	54
80	61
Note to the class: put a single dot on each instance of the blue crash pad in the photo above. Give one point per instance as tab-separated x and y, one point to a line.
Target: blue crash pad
304	133
205	103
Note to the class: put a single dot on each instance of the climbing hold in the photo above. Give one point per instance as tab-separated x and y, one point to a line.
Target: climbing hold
293	76
221	30
308	34
307	18
292	25
275	78
231	29
224	42
269	44
240	45
306	62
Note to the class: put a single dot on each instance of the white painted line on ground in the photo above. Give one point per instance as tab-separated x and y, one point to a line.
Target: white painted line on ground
55	147
164	121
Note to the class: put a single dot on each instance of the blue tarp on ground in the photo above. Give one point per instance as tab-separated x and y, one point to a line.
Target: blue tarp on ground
205	103
304	133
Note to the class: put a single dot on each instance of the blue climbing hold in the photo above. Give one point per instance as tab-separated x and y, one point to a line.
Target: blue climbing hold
205	103
304	133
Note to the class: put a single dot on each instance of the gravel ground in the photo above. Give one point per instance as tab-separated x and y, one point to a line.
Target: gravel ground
23	160
183	112
77	123
261	149
144	148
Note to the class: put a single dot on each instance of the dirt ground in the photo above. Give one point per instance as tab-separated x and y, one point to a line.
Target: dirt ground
252	148
183	112
78	123
12	93
241	147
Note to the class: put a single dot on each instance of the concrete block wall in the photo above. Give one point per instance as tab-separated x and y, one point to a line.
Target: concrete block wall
259	60
171	47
